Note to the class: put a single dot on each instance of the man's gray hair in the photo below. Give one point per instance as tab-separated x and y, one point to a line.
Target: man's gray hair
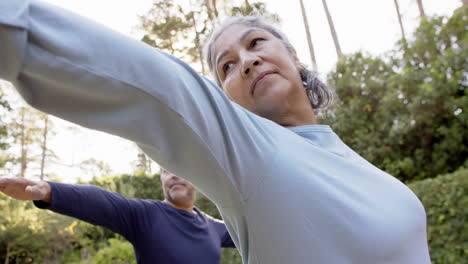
320	95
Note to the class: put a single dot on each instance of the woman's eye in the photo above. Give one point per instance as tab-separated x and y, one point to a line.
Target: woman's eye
226	67
255	42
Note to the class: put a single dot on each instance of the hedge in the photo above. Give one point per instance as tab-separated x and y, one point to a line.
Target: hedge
446	202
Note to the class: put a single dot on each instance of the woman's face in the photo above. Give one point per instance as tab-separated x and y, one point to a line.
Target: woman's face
258	72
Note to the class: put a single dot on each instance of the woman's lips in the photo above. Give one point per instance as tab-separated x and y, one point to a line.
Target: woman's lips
260	79
177	185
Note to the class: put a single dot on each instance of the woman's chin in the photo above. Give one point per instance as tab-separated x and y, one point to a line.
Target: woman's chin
272	111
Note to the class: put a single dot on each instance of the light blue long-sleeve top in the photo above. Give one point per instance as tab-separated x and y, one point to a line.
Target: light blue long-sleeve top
297	195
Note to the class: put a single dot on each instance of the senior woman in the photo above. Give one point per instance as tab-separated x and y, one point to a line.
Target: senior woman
289	190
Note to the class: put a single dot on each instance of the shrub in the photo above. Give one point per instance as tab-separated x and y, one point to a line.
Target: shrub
117	252
446	201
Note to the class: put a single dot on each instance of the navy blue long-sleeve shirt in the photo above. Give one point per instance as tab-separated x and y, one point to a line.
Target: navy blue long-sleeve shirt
158	232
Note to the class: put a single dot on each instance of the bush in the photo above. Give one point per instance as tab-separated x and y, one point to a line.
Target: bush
446	201
117	252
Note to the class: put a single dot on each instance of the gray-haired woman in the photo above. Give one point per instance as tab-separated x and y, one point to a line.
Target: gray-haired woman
289	190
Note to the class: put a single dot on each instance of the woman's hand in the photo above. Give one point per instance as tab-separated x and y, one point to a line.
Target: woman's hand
24	189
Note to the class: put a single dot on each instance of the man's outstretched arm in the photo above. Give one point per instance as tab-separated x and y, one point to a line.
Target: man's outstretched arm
85	202
24	189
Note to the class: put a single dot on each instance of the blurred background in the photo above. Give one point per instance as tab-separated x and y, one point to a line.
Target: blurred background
399	68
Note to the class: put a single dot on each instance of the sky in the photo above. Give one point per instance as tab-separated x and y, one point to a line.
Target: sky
361	25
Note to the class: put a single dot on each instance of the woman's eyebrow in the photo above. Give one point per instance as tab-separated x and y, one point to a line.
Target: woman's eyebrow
242	38
247	33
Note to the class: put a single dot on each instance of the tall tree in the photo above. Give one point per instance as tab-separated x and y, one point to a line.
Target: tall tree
422	14
309	38
143	163
166	28
332	30
29	131
169	27
45	135
199	26
5	111
215	9
246	3
397	8
28	135
209	10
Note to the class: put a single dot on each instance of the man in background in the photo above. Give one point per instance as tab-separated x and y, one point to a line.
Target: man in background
168	231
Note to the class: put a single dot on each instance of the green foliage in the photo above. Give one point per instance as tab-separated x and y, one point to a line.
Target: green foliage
254	9
141	186
30	235
118	252
446	201
169	27
5	110
230	256
407	114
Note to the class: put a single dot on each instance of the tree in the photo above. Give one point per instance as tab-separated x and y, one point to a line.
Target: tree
422	14
309	39
196	23
5	110
166	27
17	226
257	8
406	114
46	153
95	168
332	30
169	27
209	10
26	133
397	8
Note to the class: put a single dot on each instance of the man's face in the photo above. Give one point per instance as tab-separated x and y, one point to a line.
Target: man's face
176	190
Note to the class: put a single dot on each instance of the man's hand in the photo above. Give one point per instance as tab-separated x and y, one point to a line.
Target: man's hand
24	189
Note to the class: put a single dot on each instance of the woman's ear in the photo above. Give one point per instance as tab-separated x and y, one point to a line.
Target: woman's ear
296	60
298	64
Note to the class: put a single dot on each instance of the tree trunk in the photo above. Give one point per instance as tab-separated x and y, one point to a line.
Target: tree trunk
24	152
197	42
422	14
142	161
150	171
215	9
209	10
44	146
464	2
399	20
7	255
309	39
332	29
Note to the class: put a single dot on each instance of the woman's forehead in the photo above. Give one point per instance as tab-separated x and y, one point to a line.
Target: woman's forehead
234	33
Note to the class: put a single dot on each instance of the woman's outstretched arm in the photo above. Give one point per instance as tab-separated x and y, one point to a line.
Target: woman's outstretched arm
80	71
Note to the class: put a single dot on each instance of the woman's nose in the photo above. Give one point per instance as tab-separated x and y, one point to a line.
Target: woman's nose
249	64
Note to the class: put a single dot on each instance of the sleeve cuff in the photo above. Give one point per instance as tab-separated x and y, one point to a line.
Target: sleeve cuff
53	194
41	204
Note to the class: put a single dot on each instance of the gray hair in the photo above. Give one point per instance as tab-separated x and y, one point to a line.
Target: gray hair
319	94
